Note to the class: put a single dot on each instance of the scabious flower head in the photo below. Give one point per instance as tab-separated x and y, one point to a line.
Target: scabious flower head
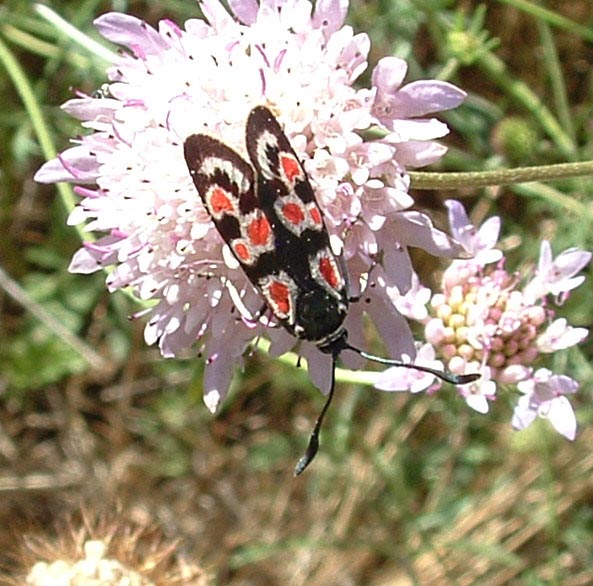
92	548
486	319
205	77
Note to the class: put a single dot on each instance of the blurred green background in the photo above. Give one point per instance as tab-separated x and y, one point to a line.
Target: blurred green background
406	489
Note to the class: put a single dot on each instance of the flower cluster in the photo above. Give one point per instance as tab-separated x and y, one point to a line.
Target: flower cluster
91	548
488	320
205	78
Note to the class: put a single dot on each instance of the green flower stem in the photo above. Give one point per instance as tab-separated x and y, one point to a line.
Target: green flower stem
361	377
442	181
522	94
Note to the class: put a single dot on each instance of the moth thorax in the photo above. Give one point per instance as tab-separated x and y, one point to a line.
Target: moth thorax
320	317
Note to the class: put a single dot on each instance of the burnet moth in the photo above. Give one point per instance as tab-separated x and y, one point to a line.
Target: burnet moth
266	213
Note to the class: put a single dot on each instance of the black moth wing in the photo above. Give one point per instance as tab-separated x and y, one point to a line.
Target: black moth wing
227	187
302	242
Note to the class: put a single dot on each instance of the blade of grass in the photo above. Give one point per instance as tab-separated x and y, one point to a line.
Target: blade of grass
16	292
74	34
556	77
29	99
552	18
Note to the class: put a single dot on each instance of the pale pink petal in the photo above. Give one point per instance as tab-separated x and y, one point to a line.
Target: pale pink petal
75	164
523	415
95	255
559	336
561	416
244	10
224	350
458	220
419	130
478	403
84	262
477	242
557	276
392	327
488	233
393	379
416	153
217	15
420	232
281	341
329	15
563	385
413	304
399	378
92	108
566	265
389	73
514	373
319	366
419	98
545	257
131	32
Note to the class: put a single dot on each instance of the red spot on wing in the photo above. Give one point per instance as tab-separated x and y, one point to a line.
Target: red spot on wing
293	213
290	166
259	231
315	215
242	251
328	271
280	296
220	202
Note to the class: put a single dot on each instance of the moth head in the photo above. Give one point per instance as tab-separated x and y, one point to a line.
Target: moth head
320	316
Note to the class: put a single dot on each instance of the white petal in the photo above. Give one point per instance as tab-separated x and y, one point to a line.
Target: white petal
478	403
523	415
389	74
244	10
83	262
422	97
562	417
422	129
212	400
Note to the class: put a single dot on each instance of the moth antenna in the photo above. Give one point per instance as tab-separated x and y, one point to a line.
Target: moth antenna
448	377
313	445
